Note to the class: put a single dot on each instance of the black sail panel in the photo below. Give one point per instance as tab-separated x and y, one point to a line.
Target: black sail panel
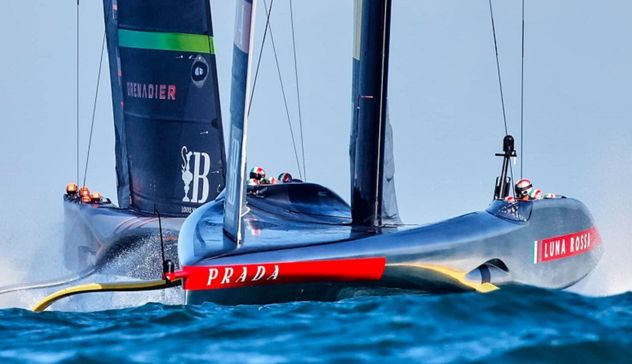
110	8
373	198
172	128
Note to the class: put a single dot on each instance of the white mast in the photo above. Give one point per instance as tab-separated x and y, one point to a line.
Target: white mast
235	204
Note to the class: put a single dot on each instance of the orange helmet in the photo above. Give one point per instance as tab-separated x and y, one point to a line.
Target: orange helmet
71	189
96	197
84	191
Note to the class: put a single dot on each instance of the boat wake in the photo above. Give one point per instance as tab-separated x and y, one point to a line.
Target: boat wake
24	287
46	284
606	189
612	275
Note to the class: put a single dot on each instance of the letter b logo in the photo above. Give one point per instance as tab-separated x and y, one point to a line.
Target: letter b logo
201	169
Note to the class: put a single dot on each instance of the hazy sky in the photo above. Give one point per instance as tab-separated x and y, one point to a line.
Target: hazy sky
443	102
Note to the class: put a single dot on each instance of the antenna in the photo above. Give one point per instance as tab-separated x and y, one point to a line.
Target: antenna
501	190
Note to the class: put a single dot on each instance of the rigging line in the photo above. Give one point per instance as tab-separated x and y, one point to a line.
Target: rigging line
522	98
287	110
162	242
500	83
94	110
298	93
77	90
263	42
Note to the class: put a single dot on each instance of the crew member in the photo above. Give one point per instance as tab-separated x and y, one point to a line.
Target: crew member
257	173
522	188
269	181
285	178
535	194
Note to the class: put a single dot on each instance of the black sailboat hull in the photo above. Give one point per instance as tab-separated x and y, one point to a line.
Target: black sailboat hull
169	144
549	243
123	242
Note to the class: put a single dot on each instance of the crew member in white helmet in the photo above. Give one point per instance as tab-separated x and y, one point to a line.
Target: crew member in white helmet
522	189
256	176
526	192
257	173
535	194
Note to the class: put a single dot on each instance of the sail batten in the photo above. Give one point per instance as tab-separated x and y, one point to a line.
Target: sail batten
170	148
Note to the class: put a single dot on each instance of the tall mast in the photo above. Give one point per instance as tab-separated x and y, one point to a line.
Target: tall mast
370	123
234	206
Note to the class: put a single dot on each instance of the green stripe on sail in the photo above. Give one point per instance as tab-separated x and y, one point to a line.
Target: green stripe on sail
182	42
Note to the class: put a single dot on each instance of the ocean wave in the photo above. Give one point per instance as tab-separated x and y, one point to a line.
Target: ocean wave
518	324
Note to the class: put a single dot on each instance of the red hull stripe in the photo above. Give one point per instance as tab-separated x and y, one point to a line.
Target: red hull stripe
565	246
243	275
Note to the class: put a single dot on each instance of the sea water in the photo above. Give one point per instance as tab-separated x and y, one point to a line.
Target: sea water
510	325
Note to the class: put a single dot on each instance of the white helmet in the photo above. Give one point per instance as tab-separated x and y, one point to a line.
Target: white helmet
522	188
535	194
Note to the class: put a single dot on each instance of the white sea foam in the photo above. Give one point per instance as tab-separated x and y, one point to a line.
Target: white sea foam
607	194
613	274
33	253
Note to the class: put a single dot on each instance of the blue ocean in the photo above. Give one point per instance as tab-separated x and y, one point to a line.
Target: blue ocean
511	325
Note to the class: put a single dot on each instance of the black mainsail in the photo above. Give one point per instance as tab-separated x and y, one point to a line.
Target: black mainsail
373	199
169	139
